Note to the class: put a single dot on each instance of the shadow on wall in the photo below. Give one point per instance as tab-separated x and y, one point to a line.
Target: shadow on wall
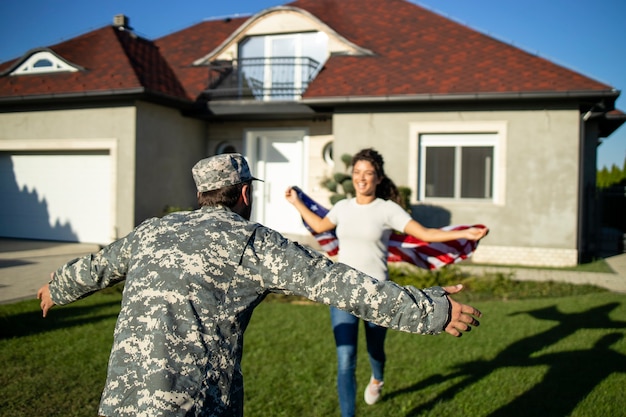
431	216
23	214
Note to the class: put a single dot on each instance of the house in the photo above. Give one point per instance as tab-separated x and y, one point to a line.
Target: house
99	132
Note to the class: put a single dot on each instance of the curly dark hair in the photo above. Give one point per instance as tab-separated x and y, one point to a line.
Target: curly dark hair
386	190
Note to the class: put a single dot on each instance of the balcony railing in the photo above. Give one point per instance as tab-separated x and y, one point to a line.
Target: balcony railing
266	79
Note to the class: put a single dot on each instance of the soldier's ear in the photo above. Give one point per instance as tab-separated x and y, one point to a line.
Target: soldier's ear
246	194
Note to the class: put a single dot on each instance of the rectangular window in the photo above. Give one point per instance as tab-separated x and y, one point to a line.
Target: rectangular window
457	166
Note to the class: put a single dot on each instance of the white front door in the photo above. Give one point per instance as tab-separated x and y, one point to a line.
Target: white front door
278	158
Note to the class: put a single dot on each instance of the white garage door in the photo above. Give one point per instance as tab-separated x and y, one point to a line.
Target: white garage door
63	196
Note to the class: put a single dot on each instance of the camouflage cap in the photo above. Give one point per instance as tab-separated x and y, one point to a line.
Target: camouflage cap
221	171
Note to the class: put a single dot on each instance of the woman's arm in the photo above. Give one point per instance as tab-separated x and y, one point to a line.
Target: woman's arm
317	223
426	234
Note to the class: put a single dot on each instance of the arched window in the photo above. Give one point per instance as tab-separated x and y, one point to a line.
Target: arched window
327	154
225	147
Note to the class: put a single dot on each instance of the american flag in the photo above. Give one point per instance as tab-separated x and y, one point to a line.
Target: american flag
402	247
327	240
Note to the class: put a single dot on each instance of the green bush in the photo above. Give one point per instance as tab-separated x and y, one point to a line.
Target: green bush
334	198
347	160
405	196
348	187
330	185
340	177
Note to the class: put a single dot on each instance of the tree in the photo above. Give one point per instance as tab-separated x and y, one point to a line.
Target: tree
606	178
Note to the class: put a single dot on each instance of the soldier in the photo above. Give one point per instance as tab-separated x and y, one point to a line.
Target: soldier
192	282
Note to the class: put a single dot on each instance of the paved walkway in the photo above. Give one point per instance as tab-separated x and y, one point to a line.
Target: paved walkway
26	265
615	281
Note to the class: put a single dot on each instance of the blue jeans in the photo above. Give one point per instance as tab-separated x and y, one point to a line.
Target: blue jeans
346	330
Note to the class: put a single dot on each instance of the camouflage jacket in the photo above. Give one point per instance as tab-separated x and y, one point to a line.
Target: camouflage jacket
192	282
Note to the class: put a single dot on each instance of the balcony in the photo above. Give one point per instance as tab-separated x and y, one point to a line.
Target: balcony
261	79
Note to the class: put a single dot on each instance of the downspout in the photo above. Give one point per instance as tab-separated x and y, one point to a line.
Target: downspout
581	185
585	202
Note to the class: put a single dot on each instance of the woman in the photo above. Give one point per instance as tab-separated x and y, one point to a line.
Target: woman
363	225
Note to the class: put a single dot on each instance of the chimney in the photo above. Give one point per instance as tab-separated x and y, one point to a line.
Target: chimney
121	22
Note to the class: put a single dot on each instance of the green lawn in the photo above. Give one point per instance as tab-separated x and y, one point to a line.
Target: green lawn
542	356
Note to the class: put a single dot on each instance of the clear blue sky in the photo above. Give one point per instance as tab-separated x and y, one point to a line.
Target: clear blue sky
588	37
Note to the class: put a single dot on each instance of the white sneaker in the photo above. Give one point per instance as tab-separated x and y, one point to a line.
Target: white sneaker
373	391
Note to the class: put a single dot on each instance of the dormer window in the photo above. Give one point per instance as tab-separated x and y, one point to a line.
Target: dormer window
280	67
274	56
43	62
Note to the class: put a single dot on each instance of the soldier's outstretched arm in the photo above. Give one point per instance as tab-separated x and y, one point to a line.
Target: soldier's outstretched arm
85	275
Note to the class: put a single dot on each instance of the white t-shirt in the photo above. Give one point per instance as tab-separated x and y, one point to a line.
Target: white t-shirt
363	231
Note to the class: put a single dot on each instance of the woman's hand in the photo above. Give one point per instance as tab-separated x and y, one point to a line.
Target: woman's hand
292	196
476	233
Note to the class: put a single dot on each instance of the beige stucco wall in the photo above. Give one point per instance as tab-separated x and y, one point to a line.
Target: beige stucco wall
541	189
112	129
535	223
168	146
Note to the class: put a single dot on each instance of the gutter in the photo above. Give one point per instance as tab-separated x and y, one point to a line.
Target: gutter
80	94
338	100
139	91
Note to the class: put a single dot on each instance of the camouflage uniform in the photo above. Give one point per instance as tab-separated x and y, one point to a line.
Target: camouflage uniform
192	282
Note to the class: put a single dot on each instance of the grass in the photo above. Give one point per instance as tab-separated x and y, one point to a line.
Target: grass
543	349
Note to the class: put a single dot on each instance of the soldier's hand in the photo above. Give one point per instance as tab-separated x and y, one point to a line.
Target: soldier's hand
44	295
462	316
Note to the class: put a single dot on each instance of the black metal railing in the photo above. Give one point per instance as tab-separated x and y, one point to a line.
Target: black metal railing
265	79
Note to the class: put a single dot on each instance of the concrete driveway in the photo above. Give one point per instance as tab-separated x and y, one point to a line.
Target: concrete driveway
25	265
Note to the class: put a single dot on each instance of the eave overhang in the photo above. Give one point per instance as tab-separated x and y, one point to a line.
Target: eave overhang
593	97
272	110
610	122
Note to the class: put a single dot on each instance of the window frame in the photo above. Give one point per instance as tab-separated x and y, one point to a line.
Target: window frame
451	134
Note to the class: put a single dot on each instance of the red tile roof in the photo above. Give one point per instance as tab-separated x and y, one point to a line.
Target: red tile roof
420	52
416	52
113	61
182	48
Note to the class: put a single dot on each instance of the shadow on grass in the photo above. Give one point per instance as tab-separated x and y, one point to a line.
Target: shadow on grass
570	377
32	322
